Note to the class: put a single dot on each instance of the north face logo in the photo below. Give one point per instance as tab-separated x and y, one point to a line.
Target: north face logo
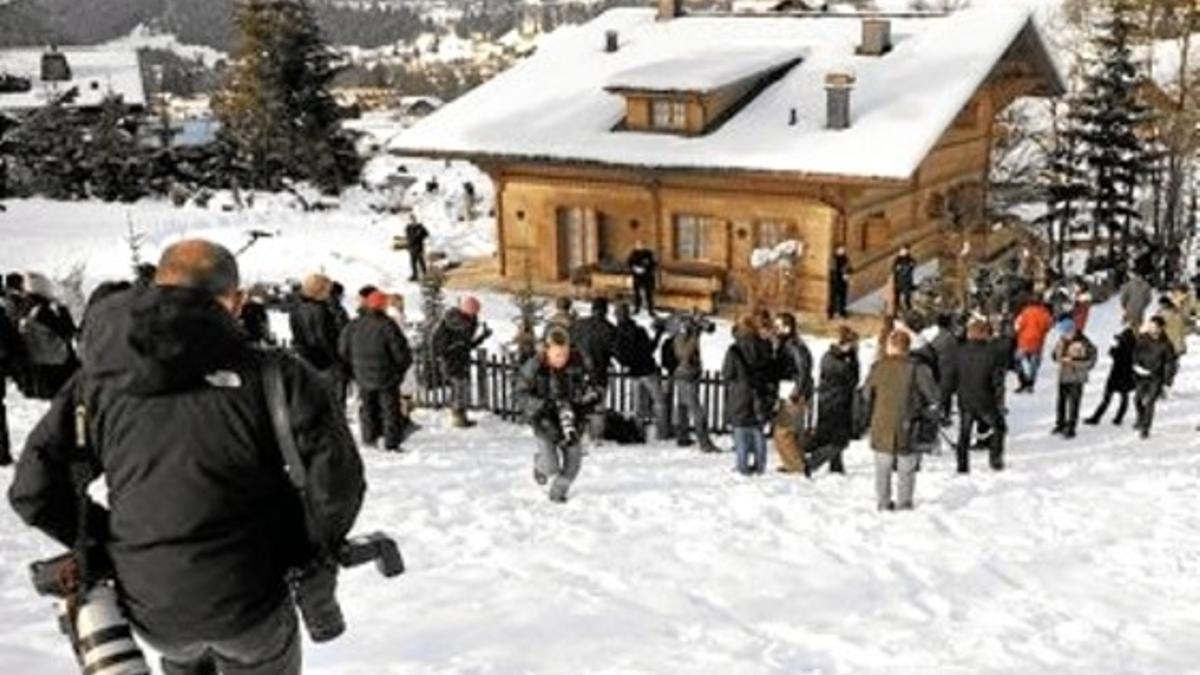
224	379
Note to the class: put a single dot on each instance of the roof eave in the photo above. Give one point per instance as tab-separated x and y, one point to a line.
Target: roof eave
494	158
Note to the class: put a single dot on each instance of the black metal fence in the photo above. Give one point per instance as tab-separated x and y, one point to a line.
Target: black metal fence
494	379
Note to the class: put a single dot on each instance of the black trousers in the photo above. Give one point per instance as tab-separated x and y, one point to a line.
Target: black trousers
379	415
989	419
643	289
1122	406
838	290
1148	391
902	299
1067	414
416	257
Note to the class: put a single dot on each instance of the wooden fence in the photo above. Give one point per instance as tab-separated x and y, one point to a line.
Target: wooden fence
494	378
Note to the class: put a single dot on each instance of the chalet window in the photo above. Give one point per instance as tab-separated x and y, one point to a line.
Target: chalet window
578	241
668	114
935	208
691	237
772	233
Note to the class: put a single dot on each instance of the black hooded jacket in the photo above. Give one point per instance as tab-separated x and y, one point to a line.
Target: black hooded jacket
201	523
376	351
315	333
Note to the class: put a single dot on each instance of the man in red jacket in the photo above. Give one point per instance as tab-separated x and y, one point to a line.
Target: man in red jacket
1033	324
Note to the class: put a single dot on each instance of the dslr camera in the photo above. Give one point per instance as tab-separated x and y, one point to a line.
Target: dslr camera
314	588
91	618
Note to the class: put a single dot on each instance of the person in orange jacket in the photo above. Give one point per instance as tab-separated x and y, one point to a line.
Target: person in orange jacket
1033	323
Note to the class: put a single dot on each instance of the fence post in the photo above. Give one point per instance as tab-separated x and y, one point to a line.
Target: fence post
481	384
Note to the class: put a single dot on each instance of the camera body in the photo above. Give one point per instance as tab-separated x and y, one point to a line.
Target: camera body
314	588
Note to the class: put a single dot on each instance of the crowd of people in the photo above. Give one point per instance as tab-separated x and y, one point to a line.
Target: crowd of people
181	346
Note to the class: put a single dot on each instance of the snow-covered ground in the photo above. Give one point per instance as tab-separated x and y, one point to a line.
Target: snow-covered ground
1082	557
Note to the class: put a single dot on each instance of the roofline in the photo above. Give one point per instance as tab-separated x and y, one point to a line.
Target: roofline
485	157
650	92
813	14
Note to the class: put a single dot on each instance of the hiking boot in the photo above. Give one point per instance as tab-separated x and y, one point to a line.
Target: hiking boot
1144	433
684	442
539	477
1092	421
558	497
1068	433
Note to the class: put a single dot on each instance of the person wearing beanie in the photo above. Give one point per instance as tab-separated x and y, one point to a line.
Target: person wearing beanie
1076	356
364	293
378	356
458	333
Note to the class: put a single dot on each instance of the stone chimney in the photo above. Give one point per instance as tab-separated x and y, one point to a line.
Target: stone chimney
612	41
838	86
54	66
669	9
876	37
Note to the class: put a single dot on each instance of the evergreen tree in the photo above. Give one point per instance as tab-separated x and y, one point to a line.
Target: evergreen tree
113	155
276	110
1110	117
1064	185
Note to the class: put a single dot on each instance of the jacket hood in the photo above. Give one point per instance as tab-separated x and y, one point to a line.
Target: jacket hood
154	340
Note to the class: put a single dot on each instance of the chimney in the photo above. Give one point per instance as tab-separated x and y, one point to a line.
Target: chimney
876	37
54	66
611	41
669	9
838	86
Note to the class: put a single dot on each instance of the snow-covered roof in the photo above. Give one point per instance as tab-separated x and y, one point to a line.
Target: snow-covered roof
97	72
554	105
704	71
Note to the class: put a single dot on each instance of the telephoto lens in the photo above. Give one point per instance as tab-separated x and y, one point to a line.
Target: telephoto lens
102	638
315	592
566	422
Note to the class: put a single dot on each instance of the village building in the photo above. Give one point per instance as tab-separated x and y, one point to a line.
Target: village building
712	137
83	77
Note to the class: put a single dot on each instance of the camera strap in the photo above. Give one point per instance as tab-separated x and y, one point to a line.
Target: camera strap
81	476
281	420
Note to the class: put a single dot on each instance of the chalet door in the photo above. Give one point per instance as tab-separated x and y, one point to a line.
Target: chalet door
578	243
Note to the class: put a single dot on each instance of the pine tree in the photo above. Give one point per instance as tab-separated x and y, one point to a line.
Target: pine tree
276	110
1065	186
1110	117
113	155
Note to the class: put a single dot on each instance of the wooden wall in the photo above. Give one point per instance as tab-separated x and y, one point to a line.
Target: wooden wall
873	219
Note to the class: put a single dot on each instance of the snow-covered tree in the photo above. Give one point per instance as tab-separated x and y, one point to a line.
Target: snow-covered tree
276	109
1064	184
1110	117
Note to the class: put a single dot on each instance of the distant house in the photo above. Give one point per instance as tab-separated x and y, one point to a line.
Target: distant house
711	136
29	78
418	107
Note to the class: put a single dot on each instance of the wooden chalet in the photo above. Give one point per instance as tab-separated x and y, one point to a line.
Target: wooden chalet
709	136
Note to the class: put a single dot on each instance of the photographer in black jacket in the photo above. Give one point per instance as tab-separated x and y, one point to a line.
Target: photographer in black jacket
202	524
554	392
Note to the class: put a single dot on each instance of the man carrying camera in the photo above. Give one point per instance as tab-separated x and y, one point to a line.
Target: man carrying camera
689	368
555	393
202	525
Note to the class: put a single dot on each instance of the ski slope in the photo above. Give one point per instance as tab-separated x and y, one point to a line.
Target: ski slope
1083	557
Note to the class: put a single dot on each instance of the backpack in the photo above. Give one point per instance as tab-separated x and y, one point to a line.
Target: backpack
622	430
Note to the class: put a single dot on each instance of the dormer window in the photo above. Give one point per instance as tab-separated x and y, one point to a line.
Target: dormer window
668	115
693	94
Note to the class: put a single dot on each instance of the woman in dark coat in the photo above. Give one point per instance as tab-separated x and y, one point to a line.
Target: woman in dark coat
1120	380
835	402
